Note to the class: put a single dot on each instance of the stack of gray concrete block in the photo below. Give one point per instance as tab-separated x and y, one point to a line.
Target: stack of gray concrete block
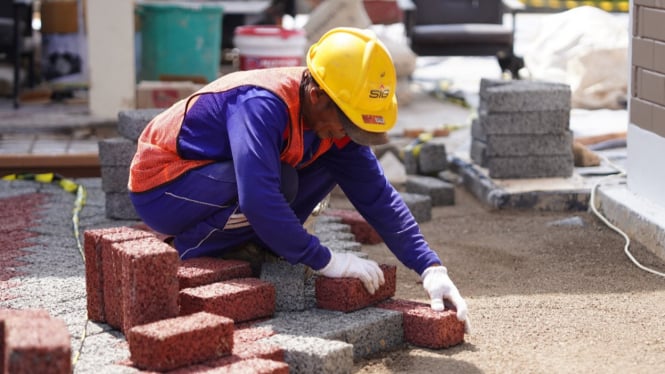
523	129
115	156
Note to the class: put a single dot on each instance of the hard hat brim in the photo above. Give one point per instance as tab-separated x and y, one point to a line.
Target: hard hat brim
359	135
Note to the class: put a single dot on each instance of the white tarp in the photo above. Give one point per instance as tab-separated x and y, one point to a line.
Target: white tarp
586	48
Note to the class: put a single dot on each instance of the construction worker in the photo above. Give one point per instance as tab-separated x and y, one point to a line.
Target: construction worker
247	158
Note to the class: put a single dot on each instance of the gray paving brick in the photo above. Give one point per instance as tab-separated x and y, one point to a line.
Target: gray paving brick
116	151
524	122
119	206
432	158
529	145
530	166
132	122
478	152
419	205
477	131
308	355
441	193
325	236
518	96
294	285
114	178
372	330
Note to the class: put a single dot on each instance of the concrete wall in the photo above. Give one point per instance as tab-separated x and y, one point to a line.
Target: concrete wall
646	131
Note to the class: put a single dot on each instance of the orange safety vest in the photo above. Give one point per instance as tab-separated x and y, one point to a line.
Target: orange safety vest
157	161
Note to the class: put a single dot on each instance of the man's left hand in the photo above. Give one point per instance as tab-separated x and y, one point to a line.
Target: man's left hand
439	286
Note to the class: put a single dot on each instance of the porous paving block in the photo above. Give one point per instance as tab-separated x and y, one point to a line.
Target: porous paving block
116	152
518	96
370	331
6	314
148	281
432	158
349	294
249	342
114	178
425	327
344	246
335	235
478	152
185	340
530	145
364	232
102	280
200	271
132	122
294	288
441	193
242	299
531	166
254	366
117	205
36	344
522	122
419	205
94	286
306	354
325	227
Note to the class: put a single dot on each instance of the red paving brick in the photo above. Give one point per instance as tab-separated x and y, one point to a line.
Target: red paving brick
349	294
111	272
241	299
177	342
206	270
424	327
148	281
17	217
94	278
254	366
34	342
363	231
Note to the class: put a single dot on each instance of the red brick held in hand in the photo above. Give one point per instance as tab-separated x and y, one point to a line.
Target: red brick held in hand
424	327
349	294
200	271
175	342
242	299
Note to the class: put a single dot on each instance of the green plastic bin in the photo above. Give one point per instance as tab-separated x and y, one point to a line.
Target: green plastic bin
180	39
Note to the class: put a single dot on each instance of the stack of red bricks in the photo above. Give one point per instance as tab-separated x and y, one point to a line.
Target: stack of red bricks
176	313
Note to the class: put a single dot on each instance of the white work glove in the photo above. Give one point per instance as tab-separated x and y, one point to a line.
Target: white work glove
438	285
344	264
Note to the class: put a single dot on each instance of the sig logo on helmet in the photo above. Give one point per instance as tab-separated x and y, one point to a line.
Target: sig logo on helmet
379	93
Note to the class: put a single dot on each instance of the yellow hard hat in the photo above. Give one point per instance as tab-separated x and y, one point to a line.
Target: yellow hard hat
356	70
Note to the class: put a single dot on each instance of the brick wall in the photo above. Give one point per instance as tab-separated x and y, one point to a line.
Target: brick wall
647	102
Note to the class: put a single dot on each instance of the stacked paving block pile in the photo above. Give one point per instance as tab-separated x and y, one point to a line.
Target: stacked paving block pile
211	313
115	156
522	129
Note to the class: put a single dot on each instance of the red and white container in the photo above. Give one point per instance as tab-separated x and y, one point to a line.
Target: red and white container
268	46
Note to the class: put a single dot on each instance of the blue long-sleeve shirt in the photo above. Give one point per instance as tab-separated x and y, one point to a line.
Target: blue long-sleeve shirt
246	125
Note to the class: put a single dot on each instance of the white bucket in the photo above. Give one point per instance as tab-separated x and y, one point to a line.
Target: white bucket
269	46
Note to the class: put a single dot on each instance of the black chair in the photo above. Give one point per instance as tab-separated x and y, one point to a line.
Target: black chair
16	40
464	28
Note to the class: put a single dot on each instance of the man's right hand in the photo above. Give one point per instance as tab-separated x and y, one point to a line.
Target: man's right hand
344	264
